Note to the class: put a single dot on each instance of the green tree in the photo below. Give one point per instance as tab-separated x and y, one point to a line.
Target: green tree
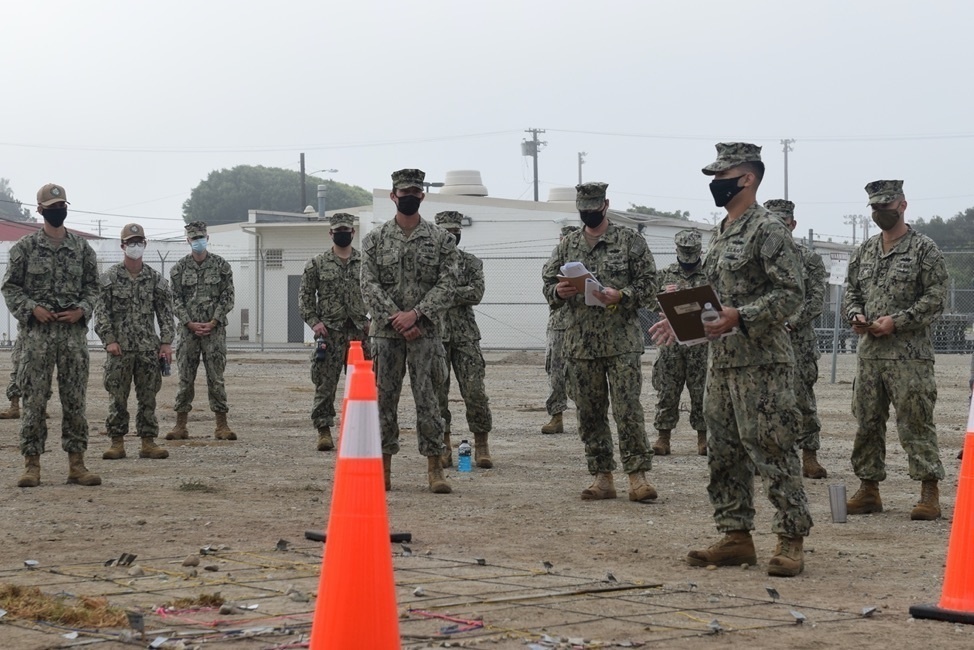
653	212
227	194
954	236
10	208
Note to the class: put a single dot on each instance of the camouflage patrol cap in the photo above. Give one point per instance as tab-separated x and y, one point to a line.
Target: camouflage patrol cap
781	207
884	191
406	178
131	231
687	245
50	194
590	196
196	229
340	219
449	219
732	154
567	230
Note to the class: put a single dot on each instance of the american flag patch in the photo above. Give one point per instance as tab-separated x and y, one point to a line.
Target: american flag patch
772	245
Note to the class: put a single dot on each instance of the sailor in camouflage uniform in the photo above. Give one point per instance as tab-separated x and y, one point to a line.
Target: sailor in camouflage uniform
133	298
679	365
896	289
461	341
51	286
409	272
801	327
749	403
603	344
554	360
202	288
330	300
13	388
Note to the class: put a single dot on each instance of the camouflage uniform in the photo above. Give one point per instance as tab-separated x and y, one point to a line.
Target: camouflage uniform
908	283
202	292
401	272
554	358
603	345
679	365
57	276
461	339
331	294
13	388
128	309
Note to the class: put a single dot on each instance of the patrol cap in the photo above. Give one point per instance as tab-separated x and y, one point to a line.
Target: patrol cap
781	207
449	219
567	230
196	229
131	231
340	219
884	191
687	245
406	178
590	196
732	154
50	194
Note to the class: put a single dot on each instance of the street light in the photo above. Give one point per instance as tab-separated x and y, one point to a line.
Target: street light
322	189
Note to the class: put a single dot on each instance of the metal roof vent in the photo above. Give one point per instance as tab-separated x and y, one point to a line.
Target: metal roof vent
463	182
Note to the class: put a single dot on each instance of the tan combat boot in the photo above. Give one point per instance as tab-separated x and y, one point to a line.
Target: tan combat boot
151	450
701	443
438	484
179	431
928	508
116	451
223	431
387	470
325	443
734	549
481	452
603	487
640	489
865	500
662	445
446	458
32	472
810	465
12	413
555	425
788	559
78	473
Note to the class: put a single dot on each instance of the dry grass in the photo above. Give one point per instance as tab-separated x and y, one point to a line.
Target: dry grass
30	603
203	600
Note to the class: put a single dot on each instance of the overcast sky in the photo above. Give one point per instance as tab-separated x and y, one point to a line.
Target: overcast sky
130	105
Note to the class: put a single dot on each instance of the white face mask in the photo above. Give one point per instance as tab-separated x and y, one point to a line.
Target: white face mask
134	251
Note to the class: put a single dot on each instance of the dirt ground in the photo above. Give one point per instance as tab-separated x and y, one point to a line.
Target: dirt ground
242	497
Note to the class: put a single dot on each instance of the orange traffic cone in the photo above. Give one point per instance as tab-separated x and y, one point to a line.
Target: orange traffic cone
349	371
957	597
356	605
355	353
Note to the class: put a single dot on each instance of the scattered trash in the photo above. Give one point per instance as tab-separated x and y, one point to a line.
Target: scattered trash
868	611
31	564
773	593
419	591
548	566
481	561
715	627
70	635
406	551
799	617
125	559
282	545
609	577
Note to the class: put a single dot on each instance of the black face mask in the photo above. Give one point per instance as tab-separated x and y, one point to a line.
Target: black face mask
342	239
725	189
689	266
591	218
456	236
409	204
55	216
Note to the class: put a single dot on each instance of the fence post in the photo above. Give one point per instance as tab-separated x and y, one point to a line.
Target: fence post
835	329
263	266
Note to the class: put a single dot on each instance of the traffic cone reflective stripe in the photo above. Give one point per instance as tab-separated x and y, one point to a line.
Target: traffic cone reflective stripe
349	371
957	596
356	605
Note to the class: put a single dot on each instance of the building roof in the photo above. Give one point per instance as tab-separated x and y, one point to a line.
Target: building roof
14	230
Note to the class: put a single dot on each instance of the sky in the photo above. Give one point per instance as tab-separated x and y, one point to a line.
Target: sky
130	105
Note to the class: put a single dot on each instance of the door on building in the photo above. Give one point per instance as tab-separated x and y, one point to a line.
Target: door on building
295	326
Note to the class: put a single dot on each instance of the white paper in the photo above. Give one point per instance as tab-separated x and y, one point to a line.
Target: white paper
574	270
591	286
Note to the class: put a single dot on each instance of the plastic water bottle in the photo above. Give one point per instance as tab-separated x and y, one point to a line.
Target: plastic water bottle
463	453
709	315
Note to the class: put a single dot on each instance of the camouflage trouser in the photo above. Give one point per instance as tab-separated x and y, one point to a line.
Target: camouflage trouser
554	365
213	349
427	365
468	365
592	381
325	374
142	369
910	387
13	388
47	345
806	374
676	366
753	423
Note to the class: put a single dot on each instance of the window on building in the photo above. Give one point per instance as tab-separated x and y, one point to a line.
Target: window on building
274	258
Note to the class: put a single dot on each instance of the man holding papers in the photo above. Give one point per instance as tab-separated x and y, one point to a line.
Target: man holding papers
608	274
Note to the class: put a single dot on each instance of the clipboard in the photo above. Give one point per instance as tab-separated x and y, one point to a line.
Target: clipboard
682	309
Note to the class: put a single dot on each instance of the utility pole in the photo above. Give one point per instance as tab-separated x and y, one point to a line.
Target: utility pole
716	216
304	197
865	226
786	147
98	222
852	220
531	148
581	161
